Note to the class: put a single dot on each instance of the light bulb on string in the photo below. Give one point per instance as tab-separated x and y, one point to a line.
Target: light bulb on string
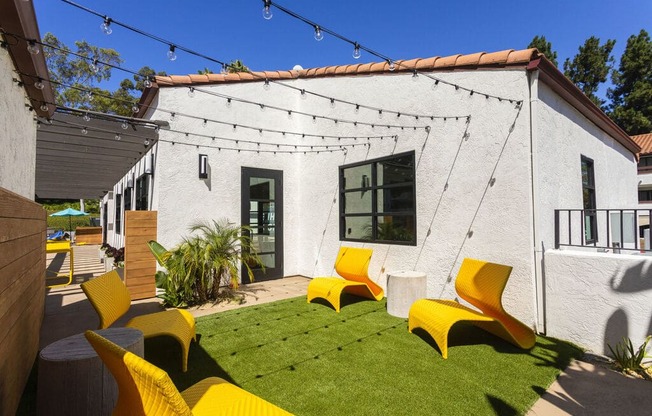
228	102
146	142
117	136
415	76
106	26
303	94
135	108
266	85
356	51
44	107
39	84
267	10
391	65
124	125
434	86
86	117
84	130
318	34
94	66
33	48
172	55
191	92
147	83
332	102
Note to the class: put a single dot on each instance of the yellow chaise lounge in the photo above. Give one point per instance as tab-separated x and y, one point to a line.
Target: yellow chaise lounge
144	389
352	264
110	298
481	284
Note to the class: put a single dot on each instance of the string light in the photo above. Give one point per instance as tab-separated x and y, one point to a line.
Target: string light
86	117
84	131
267	10
135	108
172	55
44	107
106	26
33	48
124	125
191	92
147	83
94	66
318	34
39	84
266	85
117	136
356	51
146	142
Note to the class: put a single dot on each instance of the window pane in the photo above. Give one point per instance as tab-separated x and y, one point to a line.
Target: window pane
585	173
357	177
398	170
396	228
395	199
268	261
358	228
357	202
261	188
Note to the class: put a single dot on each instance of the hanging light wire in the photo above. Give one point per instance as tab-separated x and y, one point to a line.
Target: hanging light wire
313	116
387	59
391	62
148	79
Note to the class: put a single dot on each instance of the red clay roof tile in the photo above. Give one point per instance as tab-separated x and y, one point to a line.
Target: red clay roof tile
645	142
507	57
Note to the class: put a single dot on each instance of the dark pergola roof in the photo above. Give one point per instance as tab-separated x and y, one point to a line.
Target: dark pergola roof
73	165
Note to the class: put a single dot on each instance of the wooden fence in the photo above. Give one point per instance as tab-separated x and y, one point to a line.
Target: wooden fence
140	264
22	293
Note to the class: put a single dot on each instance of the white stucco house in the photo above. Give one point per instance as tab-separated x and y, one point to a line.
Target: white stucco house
434	161
644	184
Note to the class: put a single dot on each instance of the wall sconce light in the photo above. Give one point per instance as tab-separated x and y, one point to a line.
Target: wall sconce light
148	164
203	166
130	180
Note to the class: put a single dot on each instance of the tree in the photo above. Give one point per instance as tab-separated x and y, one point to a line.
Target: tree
591	67
631	97
544	47
76	79
204	71
235	66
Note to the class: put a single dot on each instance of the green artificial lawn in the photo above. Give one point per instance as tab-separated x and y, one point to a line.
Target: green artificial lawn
310	360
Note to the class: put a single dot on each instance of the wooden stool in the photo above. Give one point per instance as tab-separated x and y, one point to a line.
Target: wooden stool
72	380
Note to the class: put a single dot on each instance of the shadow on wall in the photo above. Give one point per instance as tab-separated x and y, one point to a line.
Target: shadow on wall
634	279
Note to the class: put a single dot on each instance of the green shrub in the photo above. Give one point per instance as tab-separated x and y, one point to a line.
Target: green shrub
627	359
202	263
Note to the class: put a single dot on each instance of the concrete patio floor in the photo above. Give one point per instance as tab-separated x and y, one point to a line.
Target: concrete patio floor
584	388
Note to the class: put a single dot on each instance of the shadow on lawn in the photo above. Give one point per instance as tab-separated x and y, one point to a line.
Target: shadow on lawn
165	353
345	300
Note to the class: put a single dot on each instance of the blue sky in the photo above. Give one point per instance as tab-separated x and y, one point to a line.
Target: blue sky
228	30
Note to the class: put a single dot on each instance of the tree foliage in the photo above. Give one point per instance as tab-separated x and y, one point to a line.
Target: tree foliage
591	67
236	66
75	76
544	47
631	97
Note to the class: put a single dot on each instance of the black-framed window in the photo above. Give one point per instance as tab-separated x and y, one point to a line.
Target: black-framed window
118	214
127	199
142	190
645	162
588	199
645	195
378	200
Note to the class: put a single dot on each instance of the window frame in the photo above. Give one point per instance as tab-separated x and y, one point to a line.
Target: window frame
118	214
374	188
589	219
142	193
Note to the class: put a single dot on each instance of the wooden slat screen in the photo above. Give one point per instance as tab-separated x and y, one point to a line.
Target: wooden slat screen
140	264
22	293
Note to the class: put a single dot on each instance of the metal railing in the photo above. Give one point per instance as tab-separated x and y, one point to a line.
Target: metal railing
603	229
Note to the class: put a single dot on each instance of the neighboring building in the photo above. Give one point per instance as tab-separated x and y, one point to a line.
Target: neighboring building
644	185
423	200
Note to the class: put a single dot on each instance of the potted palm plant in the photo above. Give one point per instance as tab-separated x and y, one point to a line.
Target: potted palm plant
204	264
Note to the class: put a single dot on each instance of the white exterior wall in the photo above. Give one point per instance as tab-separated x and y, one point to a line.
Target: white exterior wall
17	134
563	135
498	216
595	299
115	237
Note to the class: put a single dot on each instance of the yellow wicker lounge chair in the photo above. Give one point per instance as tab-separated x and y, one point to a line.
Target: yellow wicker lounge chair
481	284
144	389
352	264
110	298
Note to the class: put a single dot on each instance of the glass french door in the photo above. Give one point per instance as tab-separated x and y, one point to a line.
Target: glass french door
262	212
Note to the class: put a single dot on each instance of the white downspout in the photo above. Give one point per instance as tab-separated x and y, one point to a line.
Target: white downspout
537	270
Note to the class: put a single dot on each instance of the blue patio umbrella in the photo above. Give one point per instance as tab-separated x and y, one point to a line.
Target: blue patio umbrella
69	212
